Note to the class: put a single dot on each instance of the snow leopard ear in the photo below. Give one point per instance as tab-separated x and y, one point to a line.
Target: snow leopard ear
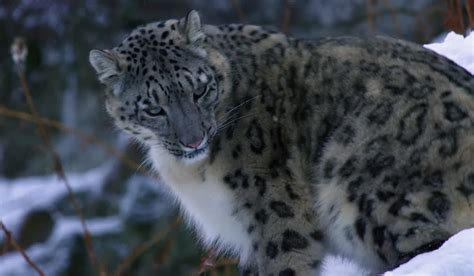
106	64
193	32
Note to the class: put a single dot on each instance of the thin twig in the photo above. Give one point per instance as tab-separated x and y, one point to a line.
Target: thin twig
11	240
85	138
286	17
58	167
221	262
371	15
165	251
238	10
394	17
143	247
470	12
454	19
207	262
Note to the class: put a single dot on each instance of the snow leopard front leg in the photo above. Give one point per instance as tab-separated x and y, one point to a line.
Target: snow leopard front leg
286	238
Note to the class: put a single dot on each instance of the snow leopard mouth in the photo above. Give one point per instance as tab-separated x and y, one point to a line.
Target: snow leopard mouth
190	155
195	153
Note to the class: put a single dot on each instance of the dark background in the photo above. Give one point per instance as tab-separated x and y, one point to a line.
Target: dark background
59	36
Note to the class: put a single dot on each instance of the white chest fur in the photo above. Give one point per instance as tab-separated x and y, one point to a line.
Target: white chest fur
205	201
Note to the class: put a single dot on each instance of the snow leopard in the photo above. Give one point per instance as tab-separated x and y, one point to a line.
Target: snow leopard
281	150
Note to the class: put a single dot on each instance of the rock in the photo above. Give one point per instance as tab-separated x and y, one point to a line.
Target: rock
35	228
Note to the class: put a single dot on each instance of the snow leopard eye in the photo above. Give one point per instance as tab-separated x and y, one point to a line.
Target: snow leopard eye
154	111
200	91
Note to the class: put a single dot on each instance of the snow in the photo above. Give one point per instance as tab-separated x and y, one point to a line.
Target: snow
457	48
22	195
454	257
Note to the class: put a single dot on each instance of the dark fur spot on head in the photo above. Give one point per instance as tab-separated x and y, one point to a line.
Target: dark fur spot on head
328	168
272	250
237	179
261	184
384	195
250	229
353	188
348	168
435	179
291	194
445	94
345	135
293	240
165	34
287	272
255	135
282	209
379	163
261	216
236	151
317	235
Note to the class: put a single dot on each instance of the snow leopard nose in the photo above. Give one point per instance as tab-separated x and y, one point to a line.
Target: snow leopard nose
194	144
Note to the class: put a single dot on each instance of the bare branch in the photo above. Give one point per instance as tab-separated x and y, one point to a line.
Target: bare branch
19	54
286	16
470	12
10	240
238	10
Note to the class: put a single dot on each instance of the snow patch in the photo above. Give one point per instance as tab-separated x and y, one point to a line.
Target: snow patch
22	195
454	257
457	48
